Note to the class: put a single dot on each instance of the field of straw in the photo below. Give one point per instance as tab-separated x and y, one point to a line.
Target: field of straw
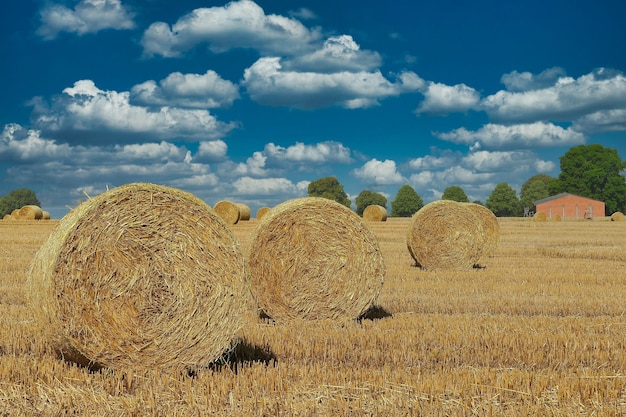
539	329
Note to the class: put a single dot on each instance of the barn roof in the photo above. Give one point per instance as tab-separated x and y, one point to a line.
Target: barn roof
557	196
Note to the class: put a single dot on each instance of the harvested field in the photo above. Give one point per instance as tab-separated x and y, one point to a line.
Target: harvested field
541	330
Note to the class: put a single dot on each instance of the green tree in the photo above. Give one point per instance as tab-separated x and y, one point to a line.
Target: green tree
17	199
368	198
535	188
455	193
330	188
503	201
406	203
594	171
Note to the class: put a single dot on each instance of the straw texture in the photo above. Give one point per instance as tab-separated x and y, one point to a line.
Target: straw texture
375	213
262	212
30	212
540	217
244	211
314	259
445	234
618	216
139	277
228	211
490	225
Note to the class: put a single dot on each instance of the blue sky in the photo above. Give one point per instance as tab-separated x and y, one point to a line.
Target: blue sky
250	101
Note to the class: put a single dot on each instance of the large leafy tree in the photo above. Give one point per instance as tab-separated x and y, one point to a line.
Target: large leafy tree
503	201
17	199
406	203
368	198
455	193
535	188
330	188
594	171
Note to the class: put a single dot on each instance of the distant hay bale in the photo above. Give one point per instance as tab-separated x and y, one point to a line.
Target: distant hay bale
262	212
244	212
228	211
618	216
312	258
46	215
7	217
139	277
540	217
490	225
556	218
30	212
375	213
446	234
15	214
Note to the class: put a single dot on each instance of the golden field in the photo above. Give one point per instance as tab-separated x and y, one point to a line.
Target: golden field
539	330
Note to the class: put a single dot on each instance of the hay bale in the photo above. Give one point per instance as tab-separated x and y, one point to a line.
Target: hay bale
556	218
312	258
618	217
30	212
228	211
139	277
540	217
445	234
244	212
262	212
375	213
490	225
46	215
7	217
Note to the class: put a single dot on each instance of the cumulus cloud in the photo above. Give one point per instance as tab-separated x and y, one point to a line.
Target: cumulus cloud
602	121
202	91
268	83
440	98
268	186
26	145
429	162
379	172
211	151
89	16
512	162
319	153
565	100
86	113
239	24
527	81
521	136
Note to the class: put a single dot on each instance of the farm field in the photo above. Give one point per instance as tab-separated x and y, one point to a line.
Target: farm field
539	329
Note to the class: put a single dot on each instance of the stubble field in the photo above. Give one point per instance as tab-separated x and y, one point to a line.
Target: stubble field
540	329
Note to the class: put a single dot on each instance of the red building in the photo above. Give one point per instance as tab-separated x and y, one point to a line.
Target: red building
569	205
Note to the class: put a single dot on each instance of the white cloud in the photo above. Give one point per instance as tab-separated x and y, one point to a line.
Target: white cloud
602	121
511	162
239	24
267	186
89	16
214	150
268	83
86	112
379	172
521	136
441	98
20	144
526	81
203	91
319	153
429	162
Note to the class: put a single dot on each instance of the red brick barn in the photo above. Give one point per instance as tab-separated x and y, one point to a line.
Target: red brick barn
570	206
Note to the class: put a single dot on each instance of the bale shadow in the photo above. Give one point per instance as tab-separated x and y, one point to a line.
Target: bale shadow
242	354
374	313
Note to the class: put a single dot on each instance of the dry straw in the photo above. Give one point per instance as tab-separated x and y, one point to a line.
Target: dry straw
375	213
228	211
618	216
314	259
262	212
540	217
45	216
556	218
490	225
30	212
445	234
140	277
244	212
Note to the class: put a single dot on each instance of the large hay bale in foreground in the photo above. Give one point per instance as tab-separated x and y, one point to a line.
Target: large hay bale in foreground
30	212
445	234
540	217
375	213
490	225
244	212
228	211
313	259
262	212
139	277
618	217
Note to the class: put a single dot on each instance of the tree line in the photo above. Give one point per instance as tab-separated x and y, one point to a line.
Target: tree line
591	171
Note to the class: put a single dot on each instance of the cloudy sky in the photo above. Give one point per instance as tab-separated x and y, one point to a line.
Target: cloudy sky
250	101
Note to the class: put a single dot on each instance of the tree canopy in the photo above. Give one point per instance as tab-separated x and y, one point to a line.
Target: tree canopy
535	188
503	201
455	193
406	203
368	198
330	188
17	199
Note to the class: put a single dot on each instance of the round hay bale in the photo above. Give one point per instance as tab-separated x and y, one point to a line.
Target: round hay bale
618	216
312	258
228	211
490	225
375	213
7	217
30	212
244	212
139	277
262	212
15	214
445	234
540	217
556	218
46	215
